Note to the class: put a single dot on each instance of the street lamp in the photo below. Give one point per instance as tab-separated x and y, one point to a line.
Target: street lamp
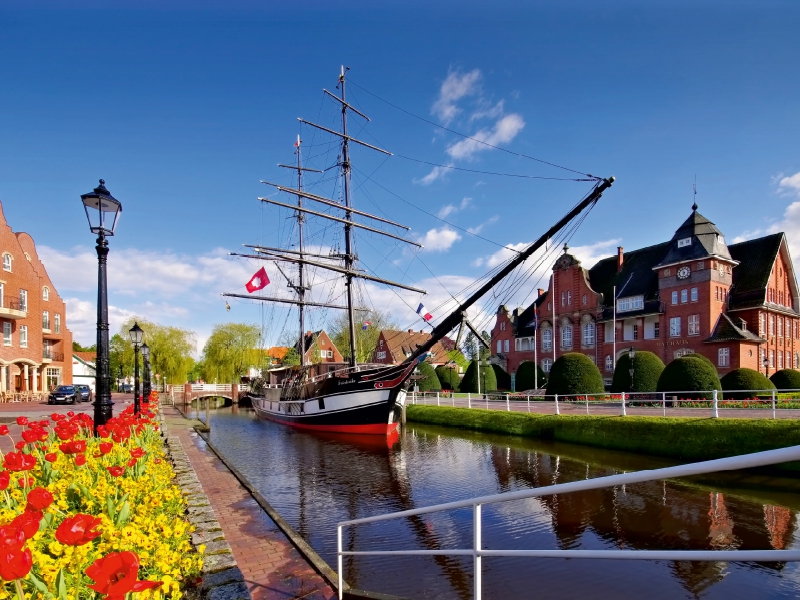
631	355
119	380
146	384
102	211
766	364
136	334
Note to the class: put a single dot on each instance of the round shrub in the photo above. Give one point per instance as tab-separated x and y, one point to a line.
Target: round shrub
786	379
470	381
429	381
697	356
527	379
647	369
744	379
573	374
687	374
503	378
448	377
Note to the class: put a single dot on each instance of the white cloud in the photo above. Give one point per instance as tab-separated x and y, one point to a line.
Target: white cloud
591	253
451	208
436	173
487	111
504	130
480	227
790	184
455	87
439	240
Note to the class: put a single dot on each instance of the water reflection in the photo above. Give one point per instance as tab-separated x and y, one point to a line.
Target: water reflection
317	480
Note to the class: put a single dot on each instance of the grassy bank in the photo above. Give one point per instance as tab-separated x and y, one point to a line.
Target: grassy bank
682	438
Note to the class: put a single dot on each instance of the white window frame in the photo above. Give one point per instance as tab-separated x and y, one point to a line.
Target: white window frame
8	340
609	362
684	242
502	325
547	339
547	364
505	346
656	330
46	294
7	262
330	353
57	323
569	297
693	327
675	327
23	300
45	319
693	295
780	359
630	303
684	296
675	297
589	334
23	336
566	336
723	357
499	346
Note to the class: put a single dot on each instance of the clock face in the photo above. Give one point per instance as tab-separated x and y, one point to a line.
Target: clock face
684	272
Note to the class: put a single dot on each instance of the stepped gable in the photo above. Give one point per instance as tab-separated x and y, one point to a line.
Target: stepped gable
705	240
726	330
751	277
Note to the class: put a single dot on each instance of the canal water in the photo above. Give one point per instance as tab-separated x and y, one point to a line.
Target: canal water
316	480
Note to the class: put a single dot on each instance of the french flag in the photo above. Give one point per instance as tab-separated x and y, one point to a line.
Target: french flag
424	313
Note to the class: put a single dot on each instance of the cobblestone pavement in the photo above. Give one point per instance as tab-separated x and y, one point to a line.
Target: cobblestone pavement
273	568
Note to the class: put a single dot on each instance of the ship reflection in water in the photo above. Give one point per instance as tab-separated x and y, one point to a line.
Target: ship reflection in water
316	480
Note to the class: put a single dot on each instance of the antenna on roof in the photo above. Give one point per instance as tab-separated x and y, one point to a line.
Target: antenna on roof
694	187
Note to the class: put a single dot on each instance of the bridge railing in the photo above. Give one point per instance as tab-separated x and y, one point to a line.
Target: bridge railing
211	387
477	552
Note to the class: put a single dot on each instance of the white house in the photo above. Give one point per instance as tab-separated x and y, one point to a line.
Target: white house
83	368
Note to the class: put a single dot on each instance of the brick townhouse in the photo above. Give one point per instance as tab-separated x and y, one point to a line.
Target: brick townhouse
36	351
394	346
737	305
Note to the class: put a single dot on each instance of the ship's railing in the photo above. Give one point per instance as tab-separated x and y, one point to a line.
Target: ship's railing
739	403
477	552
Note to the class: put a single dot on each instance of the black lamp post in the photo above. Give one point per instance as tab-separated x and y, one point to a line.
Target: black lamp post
146	384
102	211
766	364
136	334
631	355
119	380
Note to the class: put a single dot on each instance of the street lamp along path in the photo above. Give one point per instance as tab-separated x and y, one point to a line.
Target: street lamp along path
102	211
136	335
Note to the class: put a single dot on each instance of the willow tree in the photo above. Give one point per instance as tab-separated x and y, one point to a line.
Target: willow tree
366	334
230	351
171	349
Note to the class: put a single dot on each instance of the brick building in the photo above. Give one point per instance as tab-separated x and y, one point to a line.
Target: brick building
737	305
320	349
393	347
36	352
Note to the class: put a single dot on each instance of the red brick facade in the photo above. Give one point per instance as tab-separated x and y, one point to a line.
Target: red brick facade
36	346
736	306
320	349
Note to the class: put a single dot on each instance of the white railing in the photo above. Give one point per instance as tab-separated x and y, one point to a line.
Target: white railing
211	387
746	461
645	403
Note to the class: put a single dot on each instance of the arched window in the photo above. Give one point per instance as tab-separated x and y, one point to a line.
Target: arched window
609	362
566	336
547	338
588	334
7	262
45	294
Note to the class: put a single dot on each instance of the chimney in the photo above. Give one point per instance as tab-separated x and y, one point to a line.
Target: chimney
540	293
422	331
620	258
410	331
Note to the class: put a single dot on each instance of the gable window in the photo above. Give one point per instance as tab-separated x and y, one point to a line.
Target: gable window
694	324
45	294
630	303
674	297
57	323
330	353
502	325
588	334
569	297
7	262
609	363
499	346
684	296
675	327
546	364
23	300
505	345
684	242
724	357
6	334
323	354
23	336
694	294
547	339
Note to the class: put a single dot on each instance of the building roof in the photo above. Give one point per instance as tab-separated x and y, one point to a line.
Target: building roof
402	343
726	330
704	240
277	353
750	278
88	358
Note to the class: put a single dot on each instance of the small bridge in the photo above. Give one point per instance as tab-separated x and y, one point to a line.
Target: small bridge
232	392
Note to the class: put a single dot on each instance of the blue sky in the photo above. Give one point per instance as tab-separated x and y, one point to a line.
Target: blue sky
183	107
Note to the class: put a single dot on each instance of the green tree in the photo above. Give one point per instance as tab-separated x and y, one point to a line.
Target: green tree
171	349
647	369
469	383
292	357
502	377
786	379
448	377
485	351
526	378
573	374
471	347
429	382
230	351
76	347
689	374
744	379
455	356
366	339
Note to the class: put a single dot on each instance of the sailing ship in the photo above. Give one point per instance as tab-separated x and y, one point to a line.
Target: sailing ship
360	398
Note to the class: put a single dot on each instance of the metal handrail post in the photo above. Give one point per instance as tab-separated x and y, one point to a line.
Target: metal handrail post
623	405
437	399
469	400
716	405
587	403
558	412
476	548
528	398
339	560
508	406
664	402
774	416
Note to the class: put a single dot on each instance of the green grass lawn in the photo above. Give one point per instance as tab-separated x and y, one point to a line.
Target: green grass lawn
675	437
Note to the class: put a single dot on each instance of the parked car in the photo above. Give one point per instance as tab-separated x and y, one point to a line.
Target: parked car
85	390
126	388
64	394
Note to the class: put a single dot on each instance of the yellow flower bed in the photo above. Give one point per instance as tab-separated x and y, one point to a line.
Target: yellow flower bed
122	480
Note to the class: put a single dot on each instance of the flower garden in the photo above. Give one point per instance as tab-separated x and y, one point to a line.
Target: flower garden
85	516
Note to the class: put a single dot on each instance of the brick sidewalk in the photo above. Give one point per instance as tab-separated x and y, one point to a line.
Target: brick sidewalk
273	568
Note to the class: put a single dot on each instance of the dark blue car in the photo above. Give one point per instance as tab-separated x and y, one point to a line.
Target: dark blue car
64	394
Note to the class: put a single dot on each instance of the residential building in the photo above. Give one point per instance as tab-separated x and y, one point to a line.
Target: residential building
737	305
319	348
83	368
393	347
33	319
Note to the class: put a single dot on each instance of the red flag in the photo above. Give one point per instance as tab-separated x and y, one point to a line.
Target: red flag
258	281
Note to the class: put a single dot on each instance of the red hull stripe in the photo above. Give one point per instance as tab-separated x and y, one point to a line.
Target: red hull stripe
372	429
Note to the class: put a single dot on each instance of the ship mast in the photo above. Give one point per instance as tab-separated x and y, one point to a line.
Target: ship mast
349	259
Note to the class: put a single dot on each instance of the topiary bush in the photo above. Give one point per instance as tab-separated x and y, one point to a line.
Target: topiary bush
744	379
786	379
429	382
647	369
448	377
469	384
527	379
689	374
574	373
697	356
502	377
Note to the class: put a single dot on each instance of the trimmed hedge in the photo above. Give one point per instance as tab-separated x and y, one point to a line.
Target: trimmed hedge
470	381
647	368
688	374
786	379
526	378
429	381
502	377
574	373
683	438
744	379
448	377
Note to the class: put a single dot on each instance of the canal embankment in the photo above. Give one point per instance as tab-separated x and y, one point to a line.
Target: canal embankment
683	438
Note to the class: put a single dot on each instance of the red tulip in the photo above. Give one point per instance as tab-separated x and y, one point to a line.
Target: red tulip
73	447
71	414
51	457
15	565
21	482
137	452
5	479
115	471
56	417
39	498
63	434
22	421
106	447
30	435
19	445
132	462
3	429
12	538
116	574
17	461
80	460
78	530
28	522
157	461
